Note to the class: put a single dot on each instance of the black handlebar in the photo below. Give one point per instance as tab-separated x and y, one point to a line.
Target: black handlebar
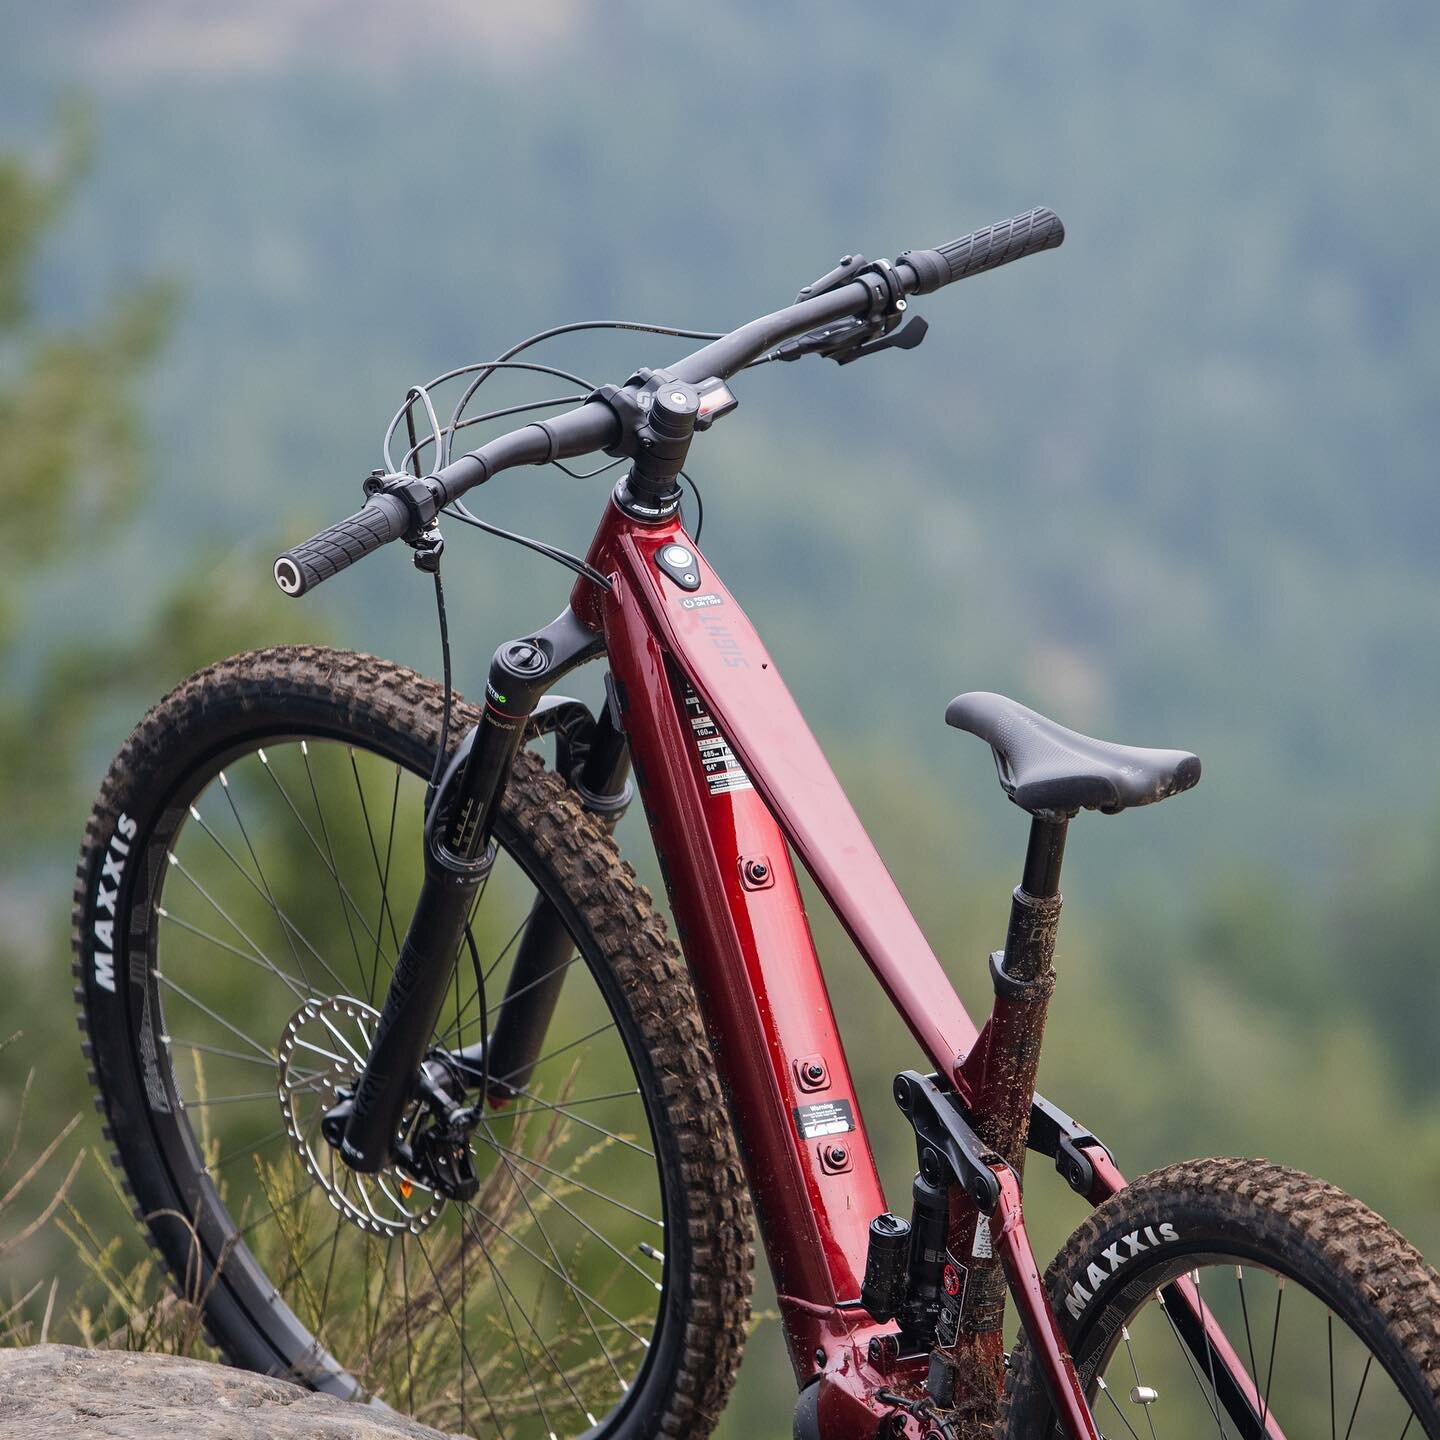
595	426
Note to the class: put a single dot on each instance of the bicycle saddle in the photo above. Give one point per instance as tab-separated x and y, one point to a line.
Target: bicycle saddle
1044	767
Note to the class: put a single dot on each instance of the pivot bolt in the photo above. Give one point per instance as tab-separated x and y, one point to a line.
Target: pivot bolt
756	872
815	1072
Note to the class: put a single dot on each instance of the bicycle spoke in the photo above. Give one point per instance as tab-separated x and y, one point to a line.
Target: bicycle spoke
330	851
259	956
560	1275
1249	1344
513	1114
1274	1337
544	1105
555	1199
247	1151
274	1210
299	988
1105	1391
495	964
345	896
550	1055
570	1180
261	887
173	1043
554	1253
209	1100
1355	1409
550	1354
1330	1351
1209	1354
1135	1370
1189	1361
385	912
459	1333
385	890
409	1344
218	1019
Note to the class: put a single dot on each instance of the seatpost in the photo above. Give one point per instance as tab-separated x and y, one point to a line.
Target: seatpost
1043	856
1035	905
968	1365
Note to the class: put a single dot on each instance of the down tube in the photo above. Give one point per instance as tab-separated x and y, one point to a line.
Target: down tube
748	945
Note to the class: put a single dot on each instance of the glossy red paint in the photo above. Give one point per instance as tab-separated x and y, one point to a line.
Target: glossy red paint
751	954
690	666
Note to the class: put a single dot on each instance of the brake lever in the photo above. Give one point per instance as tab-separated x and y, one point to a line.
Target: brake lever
861	335
852	341
907	337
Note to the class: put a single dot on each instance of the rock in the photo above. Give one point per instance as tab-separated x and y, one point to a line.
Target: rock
57	1392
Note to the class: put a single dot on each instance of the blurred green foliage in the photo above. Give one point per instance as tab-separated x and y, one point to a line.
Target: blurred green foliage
1175	481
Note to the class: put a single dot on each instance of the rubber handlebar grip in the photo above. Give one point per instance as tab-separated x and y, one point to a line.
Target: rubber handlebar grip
383	519
985	249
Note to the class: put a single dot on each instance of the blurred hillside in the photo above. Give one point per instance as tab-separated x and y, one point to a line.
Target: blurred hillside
1174	482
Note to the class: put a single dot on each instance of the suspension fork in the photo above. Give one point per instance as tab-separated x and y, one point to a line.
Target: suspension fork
501	1064
459	854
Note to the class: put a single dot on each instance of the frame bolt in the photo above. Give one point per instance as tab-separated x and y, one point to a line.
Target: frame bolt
756	871
815	1072
883	1351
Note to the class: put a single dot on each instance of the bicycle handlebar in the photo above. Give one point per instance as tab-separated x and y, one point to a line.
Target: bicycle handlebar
594	426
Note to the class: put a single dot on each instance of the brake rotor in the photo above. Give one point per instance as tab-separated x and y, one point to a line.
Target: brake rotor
322	1054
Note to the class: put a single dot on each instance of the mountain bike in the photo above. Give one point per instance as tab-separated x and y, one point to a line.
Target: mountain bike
423	1106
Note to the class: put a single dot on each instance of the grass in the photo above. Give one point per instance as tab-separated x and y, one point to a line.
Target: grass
434	1340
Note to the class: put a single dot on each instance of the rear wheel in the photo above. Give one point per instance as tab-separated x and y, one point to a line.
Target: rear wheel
1333	1315
247	876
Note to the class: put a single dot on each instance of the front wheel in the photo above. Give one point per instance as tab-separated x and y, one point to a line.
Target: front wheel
246	881
1331	1313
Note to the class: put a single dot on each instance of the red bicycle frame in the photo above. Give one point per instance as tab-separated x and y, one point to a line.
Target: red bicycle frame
732	780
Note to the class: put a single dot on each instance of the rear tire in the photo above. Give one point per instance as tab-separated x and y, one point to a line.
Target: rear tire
373	713
1368	1307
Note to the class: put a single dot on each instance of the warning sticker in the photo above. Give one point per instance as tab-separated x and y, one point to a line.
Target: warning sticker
954	1283
982	1248
824	1117
722	770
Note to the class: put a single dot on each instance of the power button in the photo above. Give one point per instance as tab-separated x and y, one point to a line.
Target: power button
680	563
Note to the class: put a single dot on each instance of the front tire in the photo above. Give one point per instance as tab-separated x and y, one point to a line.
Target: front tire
237	904
1322	1300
